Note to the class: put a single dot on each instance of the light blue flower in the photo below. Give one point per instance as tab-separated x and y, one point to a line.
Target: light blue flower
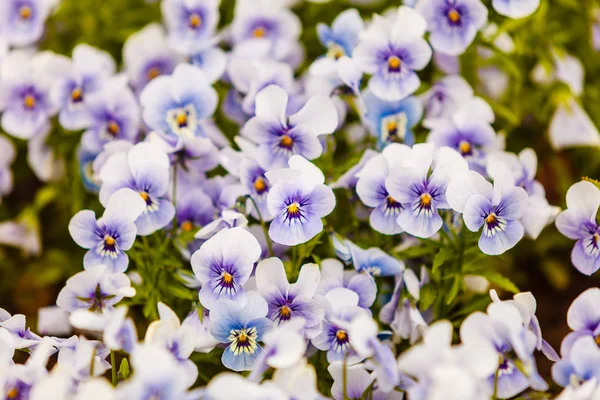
391	51
241	324
453	23
515	8
280	136
583	318
224	263
90	69
341	307
147	55
110	236
582	364
298	200
392	121
113	114
291	301
419	185
191	24
174	105
25	100
578	222
446	96
333	276
374	261
22	21
212	61
144	169
496	209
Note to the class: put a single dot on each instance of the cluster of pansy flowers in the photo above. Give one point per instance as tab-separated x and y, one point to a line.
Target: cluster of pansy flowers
149	141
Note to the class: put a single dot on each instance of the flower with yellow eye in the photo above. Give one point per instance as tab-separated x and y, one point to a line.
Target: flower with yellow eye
190	22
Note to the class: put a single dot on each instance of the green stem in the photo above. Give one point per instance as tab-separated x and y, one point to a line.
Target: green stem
496	377
264	227
175	197
345	377
113	362
92	363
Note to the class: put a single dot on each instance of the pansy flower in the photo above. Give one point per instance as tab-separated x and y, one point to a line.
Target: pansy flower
297	201
341	307
241	324
212	61
581	369
372	191
25	100
453	23
373	261
110	236
144	169
280	136
334	276
22	21
90	69
224	263
94	289
583	318
340	40
515	8
467	131
446	96
191	23
114	114
16	326
392	121
578	222
496	209
147	55
7	156
419	185
291	301
265	28
174	105
391	51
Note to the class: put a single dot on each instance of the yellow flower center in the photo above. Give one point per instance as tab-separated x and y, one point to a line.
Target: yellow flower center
394	62
113	128
153	73
243	337
259	32
293	208
285	312
392	126
13	393
341	335
597	340
25	12
228	278
181	119
195	20
286	141
259	184
464	147
453	15
491	218
425	199
76	94
108	240
29	101
187	226
145	196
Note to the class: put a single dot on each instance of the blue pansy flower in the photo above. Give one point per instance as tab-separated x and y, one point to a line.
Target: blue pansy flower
373	261
212	61
110	236
147	55
174	105
496	209
583	317
280	136
581	365
191	23
392	121
224	263
339	40
578	222
515	8
391	51
241	324
145	169
22	21
25	100
333	276
419	185
90	69
113	113
291	301
453	23
297	201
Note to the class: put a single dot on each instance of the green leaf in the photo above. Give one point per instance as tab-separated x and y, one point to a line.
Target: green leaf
427	296
501	281
440	258
454	290
124	369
